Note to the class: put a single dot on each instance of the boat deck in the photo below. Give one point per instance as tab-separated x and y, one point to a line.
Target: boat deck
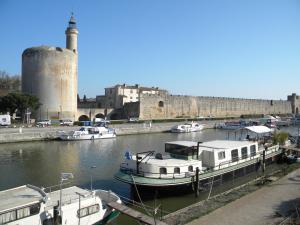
20	196
69	195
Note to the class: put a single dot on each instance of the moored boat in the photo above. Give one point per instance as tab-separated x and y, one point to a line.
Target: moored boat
187	128
88	133
28	205
178	164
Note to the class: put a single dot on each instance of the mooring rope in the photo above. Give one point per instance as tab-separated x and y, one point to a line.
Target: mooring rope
149	214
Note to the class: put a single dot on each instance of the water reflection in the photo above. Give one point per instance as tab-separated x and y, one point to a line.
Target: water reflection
40	163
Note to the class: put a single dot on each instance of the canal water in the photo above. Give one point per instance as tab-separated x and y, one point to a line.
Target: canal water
40	164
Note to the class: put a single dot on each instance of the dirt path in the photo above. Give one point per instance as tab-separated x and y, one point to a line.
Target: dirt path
259	207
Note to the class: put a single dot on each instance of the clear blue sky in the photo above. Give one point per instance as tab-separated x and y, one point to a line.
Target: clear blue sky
230	48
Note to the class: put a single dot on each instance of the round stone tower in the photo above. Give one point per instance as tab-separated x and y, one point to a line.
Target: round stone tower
50	73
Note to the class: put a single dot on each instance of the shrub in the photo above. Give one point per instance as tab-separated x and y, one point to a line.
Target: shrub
280	138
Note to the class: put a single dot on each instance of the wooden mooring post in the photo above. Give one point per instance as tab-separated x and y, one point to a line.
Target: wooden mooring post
135	214
197	183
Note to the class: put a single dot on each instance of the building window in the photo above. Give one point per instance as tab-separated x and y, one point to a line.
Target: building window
244	153
221	155
234	155
190	168
163	170
177	170
161	104
252	150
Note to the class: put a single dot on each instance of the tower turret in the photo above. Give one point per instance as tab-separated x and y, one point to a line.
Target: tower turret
71	35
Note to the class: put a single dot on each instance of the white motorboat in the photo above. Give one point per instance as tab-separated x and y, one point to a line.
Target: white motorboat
28	205
187	128
88	133
181	160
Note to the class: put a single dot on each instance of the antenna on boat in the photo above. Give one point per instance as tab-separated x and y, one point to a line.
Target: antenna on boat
63	177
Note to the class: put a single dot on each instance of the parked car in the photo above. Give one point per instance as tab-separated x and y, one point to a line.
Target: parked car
43	123
5	120
133	119
66	122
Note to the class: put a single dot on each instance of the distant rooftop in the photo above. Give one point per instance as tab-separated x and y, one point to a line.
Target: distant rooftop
136	86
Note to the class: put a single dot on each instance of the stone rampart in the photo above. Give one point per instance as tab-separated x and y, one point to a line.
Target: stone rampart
172	106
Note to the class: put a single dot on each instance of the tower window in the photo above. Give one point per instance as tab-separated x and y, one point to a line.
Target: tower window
161	104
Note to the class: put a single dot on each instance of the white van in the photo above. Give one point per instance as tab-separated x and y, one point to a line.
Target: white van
5	120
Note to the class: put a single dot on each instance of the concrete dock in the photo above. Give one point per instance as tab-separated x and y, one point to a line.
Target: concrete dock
268	205
50	133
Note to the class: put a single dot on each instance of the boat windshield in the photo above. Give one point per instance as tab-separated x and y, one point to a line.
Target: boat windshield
181	151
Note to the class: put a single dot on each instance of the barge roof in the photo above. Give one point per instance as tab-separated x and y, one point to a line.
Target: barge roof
224	144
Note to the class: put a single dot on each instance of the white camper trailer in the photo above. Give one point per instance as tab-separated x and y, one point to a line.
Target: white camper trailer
5	120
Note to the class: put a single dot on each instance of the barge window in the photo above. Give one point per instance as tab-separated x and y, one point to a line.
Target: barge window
88	210
221	155
19	213
177	170
163	170
191	168
252	150
234	155
244	153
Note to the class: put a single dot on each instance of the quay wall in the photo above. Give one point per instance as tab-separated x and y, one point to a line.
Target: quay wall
11	135
165	106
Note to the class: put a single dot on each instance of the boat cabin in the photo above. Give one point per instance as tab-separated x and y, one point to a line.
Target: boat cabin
223	153
21	205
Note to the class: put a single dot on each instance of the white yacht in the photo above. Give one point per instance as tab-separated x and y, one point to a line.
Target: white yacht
177	165
187	128
30	205
88	133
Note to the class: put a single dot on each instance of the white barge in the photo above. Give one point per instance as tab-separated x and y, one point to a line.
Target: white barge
30	205
177	166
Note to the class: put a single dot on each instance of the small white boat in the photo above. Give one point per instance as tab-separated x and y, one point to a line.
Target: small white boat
28	205
88	133
187	128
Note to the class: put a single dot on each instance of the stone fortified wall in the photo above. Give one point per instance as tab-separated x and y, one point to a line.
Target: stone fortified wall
165	106
295	102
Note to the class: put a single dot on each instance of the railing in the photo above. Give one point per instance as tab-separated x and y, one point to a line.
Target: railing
237	160
258	154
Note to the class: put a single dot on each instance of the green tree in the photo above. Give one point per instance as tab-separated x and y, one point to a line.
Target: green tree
17	101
